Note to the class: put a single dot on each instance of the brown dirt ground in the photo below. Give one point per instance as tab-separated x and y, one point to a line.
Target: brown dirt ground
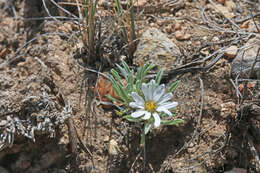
53	63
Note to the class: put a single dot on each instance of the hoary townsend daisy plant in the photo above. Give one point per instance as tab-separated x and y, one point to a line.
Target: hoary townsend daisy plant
145	102
153	103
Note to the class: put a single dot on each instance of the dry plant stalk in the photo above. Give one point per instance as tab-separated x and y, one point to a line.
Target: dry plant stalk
131	29
91	29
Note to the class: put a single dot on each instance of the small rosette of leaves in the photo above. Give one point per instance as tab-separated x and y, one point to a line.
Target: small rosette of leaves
133	84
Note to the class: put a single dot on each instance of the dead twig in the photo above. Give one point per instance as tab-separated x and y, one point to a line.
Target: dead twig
48	12
132	166
254	63
202	102
247	18
230	21
254	22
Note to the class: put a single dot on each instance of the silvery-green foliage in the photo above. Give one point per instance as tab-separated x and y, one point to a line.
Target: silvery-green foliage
143	101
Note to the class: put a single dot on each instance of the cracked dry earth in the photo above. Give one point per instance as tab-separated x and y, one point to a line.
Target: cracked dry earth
212	139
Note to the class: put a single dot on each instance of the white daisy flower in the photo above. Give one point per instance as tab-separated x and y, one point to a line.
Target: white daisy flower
155	101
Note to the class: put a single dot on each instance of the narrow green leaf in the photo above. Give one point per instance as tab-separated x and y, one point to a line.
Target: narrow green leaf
130	81
147	127
131	119
142	142
149	68
124	94
173	86
113	98
122	70
94	9
138	85
126	66
116	76
118	6
172	122
139	73
159	77
115	86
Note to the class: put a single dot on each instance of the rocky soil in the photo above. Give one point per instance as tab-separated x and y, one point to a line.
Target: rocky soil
53	120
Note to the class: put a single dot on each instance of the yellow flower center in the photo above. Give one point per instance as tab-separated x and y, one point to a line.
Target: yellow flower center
150	106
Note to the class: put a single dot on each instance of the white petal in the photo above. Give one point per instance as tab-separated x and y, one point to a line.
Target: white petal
147	116
135	105
163	109
151	88
138	113
169	105
157	119
138	99
145	91
165	98
153	85
159	91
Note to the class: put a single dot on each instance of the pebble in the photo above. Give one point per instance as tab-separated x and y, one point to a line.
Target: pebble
245	58
223	9
113	147
228	108
177	26
230	5
180	35
237	170
231	52
178	14
221	1
215	39
155	47
160	22
168	29
140	3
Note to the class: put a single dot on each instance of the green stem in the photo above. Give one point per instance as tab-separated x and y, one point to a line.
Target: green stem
143	147
143	137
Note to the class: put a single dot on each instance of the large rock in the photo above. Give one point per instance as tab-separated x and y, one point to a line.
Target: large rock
155	47
245	58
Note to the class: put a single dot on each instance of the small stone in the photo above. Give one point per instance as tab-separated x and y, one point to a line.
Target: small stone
222	1
3	122
187	36
245	58
160	22
113	147
237	170
177	26
224	10
21	64
245	24
106	138
152	24
197	43
168	29
228	108
231	51
205	51
215	39
155	47
178	14
180	35
230	5
140	3
205	38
